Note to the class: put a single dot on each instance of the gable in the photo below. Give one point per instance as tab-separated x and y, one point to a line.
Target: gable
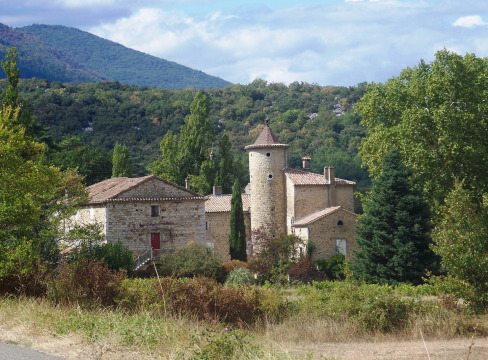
155	187
322	214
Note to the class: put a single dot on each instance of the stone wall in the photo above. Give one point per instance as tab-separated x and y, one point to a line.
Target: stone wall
155	188
345	196
324	232
218	230
90	214
309	199
178	222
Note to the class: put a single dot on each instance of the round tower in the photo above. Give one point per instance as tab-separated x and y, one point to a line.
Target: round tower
267	162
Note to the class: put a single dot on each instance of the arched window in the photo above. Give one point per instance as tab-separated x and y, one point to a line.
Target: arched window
340	223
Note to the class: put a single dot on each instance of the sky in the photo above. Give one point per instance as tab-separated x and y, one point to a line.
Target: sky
327	42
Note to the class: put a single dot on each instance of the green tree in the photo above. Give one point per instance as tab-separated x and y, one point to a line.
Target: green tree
393	233
121	161
93	164
168	166
10	97
435	114
34	200
461	239
226	164
197	136
237	235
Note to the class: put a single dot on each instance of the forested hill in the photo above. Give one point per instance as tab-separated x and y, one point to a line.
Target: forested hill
316	121
60	53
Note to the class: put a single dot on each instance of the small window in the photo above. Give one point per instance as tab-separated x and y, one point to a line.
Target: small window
268	154
154	210
340	223
270	176
206	225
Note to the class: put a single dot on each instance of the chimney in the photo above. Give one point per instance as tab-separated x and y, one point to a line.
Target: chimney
217	190
187	184
306	163
329	175
330	181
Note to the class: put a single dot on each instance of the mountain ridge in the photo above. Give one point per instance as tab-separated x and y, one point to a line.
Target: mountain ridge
66	54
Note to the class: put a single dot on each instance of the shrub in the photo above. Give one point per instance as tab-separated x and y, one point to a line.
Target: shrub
333	267
87	282
139	294
222	345
240	276
192	260
206	299
115	256
231	265
304	271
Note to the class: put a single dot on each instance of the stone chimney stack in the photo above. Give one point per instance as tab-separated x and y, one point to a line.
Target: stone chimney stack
329	176
217	190
187	184
306	163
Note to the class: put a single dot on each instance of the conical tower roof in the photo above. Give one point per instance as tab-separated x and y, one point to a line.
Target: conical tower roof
266	139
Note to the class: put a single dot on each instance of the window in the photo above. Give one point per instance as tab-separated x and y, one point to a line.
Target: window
154	210
340	223
341	246
270	176
268	154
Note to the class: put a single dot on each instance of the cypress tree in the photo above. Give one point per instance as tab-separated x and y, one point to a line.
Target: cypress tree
237	236
393	234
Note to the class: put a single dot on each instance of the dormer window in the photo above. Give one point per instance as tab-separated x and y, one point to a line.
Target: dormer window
154	210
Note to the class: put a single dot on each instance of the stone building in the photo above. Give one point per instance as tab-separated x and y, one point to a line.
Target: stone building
148	214
318	208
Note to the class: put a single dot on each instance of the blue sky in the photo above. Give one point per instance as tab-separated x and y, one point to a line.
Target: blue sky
329	42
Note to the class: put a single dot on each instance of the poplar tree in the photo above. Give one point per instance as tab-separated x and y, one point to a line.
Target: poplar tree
237	236
393	233
121	161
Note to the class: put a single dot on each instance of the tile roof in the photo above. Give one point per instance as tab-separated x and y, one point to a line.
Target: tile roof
319	214
301	177
221	203
266	139
108	190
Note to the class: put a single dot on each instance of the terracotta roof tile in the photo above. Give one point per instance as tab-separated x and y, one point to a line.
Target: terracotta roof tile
300	177
221	203
318	215
266	139
109	189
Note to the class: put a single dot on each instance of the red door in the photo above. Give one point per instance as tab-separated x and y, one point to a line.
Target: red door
155	244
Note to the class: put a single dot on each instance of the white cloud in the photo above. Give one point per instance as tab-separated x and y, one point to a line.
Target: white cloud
470	21
334	44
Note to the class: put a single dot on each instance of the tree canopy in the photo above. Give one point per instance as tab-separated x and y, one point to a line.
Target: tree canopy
436	115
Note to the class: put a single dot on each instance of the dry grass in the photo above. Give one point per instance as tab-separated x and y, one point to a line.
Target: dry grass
72	333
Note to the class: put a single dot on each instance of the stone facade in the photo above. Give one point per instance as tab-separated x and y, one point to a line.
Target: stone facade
330	234
145	213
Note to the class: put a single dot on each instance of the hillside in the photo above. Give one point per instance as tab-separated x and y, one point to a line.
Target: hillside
317	121
59	53
40	60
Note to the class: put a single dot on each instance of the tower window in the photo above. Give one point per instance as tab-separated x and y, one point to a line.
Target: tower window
270	176
268	154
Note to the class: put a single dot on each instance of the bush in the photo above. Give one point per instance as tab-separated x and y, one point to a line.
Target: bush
206	299
333	267
231	265
305	272
240	276
192	260
87	282
115	256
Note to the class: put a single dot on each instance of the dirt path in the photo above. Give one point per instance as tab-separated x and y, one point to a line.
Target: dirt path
454	349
